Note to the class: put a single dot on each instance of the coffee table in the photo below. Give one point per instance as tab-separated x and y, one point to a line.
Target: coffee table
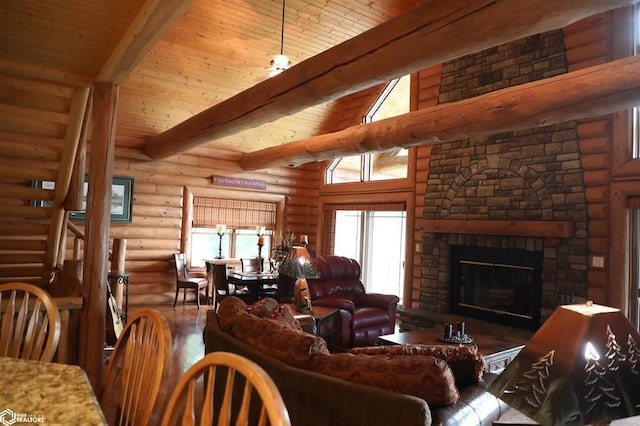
497	352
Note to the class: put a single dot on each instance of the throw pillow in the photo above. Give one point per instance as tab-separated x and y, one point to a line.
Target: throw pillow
282	316
262	307
465	361
289	346
425	377
228	309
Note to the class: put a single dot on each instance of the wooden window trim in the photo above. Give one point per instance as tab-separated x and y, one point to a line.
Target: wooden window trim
187	209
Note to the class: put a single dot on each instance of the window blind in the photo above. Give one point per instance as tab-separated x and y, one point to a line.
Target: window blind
209	212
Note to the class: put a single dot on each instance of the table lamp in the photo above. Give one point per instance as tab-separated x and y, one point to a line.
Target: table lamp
581	367
297	264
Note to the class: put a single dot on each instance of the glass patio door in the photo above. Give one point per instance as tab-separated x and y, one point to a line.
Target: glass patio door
377	240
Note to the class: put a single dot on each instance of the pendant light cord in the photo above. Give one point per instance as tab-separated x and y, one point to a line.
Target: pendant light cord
282	30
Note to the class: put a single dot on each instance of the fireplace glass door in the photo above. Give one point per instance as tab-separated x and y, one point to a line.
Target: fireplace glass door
499	285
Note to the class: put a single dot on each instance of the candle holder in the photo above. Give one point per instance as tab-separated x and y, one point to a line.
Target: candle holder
260	233
260	261
221	229
459	337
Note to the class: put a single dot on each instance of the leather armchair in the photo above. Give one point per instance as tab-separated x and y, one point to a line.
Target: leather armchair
363	316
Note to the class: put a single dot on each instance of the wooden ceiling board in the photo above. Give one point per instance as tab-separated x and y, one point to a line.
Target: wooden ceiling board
76	36
215	50
218	49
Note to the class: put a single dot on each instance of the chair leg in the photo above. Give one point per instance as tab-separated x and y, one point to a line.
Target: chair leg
198	298
184	295
176	298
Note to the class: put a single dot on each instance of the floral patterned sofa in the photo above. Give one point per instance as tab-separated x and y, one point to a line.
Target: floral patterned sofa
367	386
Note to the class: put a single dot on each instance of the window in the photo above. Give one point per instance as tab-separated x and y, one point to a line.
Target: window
375	236
240	239
393	101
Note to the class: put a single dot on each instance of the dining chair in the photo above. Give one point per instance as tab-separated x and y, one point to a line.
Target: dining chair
251	264
183	281
131	385
29	322
235	390
222	287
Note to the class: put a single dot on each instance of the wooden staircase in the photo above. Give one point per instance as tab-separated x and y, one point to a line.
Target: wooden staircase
42	132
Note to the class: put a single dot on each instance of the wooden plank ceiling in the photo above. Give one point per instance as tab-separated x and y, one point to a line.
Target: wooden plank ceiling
214	50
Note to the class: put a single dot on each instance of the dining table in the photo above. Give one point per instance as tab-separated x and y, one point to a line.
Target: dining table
46	393
253	281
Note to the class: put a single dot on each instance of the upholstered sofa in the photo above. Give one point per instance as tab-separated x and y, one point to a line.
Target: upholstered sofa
363	316
318	389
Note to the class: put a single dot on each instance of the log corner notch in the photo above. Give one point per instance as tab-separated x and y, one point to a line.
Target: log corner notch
395	48
589	92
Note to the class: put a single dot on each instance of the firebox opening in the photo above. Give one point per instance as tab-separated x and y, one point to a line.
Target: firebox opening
497	285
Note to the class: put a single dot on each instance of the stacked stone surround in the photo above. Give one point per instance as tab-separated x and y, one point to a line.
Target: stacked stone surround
525	175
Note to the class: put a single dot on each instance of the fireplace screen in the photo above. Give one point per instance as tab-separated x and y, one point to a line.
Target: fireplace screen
499	285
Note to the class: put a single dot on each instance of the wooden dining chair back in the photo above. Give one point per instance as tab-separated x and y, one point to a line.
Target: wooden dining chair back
253	265
185	282
236	391
131	385
250	264
29	322
223	288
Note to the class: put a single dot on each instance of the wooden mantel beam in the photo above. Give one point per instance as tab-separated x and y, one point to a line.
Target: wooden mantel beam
517	228
432	33
589	92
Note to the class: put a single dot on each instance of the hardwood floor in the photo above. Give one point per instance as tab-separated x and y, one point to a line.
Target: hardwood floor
187	324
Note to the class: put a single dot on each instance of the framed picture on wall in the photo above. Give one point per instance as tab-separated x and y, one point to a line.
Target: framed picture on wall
121	199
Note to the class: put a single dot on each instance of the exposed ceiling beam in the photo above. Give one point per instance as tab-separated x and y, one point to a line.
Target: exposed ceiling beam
432	33
151	23
589	92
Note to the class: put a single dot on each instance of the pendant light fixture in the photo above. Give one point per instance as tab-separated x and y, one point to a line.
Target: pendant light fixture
280	62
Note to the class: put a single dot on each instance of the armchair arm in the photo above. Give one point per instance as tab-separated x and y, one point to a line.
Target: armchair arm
335	302
376	300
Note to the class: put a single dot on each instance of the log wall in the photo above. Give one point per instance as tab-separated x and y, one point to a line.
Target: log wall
589	42
156	231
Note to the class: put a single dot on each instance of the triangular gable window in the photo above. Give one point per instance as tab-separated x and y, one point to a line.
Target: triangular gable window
393	101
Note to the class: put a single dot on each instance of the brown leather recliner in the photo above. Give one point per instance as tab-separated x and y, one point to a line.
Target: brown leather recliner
363	316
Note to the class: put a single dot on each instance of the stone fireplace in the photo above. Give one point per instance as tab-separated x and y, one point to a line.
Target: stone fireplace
520	190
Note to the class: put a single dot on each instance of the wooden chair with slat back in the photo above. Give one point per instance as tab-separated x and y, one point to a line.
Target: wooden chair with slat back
239	378
183	281
131	385
29	322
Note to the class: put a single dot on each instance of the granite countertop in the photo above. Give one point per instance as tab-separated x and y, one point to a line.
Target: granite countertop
37	392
